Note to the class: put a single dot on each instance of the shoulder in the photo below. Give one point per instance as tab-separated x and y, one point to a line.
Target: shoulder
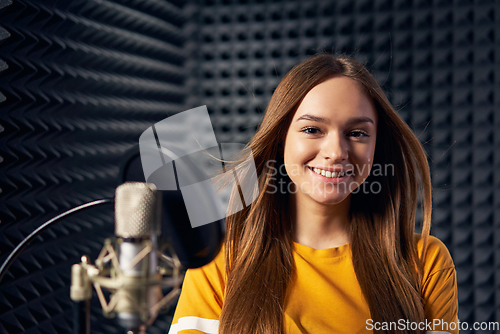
208	279
439	283
437	257
215	270
204	287
201	299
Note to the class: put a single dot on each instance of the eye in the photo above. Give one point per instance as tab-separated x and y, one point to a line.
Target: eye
310	130
358	134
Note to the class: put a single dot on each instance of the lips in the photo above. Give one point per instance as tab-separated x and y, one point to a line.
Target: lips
331	173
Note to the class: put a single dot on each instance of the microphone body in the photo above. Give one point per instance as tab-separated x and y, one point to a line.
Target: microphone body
137	228
135	291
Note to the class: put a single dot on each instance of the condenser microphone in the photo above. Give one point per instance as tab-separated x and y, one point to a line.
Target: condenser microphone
137	228
132	266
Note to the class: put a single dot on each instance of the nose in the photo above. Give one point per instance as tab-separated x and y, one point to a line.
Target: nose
335	148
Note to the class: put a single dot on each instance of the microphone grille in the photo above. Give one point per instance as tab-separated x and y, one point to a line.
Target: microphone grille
136	209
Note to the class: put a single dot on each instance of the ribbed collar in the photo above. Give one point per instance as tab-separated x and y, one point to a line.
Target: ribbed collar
309	252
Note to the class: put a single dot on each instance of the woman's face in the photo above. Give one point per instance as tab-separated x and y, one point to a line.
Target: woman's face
330	144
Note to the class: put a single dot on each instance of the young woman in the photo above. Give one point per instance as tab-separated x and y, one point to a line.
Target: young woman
329	245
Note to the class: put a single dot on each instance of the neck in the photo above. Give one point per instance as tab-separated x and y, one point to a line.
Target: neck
318	225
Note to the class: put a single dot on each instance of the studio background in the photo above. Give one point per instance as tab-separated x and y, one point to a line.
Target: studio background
80	80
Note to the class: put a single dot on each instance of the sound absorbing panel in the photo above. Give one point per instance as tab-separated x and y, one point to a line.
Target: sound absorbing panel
80	81
438	62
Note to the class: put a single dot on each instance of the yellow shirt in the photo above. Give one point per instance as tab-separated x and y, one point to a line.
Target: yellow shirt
325	296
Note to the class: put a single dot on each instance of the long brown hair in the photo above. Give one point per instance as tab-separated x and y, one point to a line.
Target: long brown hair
258	246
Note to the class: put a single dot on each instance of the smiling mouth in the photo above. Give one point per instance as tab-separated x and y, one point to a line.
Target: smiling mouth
330	174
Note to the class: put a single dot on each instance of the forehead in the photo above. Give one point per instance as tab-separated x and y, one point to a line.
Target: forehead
338	98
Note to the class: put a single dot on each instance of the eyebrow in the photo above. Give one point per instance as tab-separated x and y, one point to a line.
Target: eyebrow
354	120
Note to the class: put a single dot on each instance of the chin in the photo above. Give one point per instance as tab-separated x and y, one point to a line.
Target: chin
329	199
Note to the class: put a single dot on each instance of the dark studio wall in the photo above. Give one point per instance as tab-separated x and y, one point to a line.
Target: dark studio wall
80	80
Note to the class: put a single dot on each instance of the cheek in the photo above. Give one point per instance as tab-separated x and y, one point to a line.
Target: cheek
297	151
363	158
297	154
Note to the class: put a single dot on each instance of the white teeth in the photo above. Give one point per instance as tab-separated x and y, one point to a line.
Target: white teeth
328	173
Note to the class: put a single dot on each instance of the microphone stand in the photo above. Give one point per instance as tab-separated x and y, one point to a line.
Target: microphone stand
81	317
84	275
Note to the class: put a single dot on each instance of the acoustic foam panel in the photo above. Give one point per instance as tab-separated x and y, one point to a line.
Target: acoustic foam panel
80	81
